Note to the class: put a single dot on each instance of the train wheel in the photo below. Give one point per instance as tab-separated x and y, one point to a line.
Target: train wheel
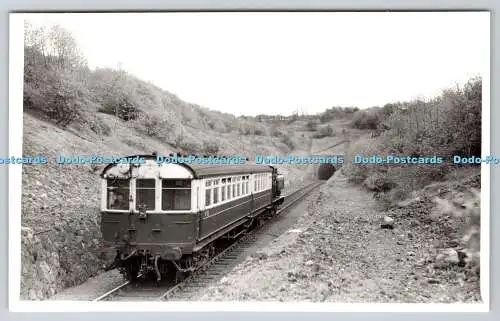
131	272
180	276
170	273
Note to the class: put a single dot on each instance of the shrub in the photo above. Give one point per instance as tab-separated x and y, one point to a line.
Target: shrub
54	95
121	108
311	125
99	127
336	113
187	144
210	147
275	132
259	132
325	131
367	119
288	142
151	125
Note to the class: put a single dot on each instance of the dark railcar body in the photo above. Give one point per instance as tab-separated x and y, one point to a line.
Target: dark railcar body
214	201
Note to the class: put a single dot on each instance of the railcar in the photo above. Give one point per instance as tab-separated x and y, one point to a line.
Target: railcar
167	219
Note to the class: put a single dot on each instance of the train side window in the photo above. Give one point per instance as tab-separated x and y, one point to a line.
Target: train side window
238	184
247	185
208	192
145	193
229	188
118	194
223	190
176	194
216	191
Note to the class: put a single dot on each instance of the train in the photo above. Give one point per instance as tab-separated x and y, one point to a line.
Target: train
167	220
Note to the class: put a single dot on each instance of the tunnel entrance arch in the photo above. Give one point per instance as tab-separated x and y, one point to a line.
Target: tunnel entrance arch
325	171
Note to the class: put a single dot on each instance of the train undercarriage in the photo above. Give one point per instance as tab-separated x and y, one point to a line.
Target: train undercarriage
142	264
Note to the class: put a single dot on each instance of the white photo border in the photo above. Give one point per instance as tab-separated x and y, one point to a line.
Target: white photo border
16	69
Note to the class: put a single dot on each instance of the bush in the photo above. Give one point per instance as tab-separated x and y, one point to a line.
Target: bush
187	144
210	147
337	113
122	108
311	125
99	127
326	131
55	96
259	132
151	125
367	119
275	132
288	142
447	125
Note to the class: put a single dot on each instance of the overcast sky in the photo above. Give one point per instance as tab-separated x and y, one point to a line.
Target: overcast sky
272	63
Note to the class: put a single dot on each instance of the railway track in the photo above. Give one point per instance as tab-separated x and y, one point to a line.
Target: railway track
213	269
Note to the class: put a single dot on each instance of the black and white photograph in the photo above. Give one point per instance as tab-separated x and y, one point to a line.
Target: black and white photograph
288	161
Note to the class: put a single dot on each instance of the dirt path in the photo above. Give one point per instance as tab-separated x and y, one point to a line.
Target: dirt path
338	252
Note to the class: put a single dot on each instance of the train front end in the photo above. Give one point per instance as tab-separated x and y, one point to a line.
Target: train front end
149	215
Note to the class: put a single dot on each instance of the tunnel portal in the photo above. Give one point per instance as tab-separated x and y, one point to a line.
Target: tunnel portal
325	171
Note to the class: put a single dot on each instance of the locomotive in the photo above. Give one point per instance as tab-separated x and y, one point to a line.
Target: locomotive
168	219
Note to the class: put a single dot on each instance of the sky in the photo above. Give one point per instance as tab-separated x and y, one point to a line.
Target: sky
276	63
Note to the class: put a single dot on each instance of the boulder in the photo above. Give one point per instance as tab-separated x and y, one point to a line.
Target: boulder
387	223
446	258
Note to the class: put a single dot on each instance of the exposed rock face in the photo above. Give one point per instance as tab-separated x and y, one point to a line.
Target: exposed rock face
58	257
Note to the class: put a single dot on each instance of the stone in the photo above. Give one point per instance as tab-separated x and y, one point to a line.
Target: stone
446	258
388	223
433	281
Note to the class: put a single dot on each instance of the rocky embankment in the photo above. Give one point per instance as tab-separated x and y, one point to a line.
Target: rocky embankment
346	249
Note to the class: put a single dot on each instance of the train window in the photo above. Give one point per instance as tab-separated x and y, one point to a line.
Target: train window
145	193
223	190
216	195
208	192
215	192
176	194
118	194
208	196
229	188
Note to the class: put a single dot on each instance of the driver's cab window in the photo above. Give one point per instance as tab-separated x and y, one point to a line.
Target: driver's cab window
118	191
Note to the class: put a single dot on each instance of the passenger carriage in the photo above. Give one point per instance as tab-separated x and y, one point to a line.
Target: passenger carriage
165	218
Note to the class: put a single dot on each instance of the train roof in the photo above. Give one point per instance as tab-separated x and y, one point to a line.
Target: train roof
209	170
